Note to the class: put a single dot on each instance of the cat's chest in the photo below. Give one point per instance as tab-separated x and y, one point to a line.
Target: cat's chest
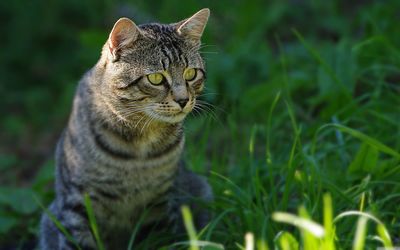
134	191
128	186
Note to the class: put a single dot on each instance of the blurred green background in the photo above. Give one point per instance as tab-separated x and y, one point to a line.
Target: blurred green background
331	61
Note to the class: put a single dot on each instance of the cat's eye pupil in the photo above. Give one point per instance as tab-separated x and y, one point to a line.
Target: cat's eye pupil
155	78
189	74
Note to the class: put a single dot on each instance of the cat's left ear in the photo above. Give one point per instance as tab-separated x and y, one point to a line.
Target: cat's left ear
124	32
193	27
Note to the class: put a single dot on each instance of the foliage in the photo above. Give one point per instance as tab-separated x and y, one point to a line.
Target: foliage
303	97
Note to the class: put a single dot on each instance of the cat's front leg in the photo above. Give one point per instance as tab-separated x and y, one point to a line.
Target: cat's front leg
74	220
194	191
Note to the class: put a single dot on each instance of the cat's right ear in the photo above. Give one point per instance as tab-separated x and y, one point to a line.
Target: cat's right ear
193	27
123	33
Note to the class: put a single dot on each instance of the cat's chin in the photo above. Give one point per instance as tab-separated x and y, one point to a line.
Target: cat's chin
176	118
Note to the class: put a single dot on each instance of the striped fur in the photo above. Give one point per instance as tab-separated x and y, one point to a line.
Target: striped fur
124	139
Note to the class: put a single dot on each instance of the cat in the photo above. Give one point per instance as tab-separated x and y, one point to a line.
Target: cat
124	139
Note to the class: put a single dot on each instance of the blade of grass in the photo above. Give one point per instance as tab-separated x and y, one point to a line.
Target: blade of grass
249	239
328	70
359	239
92	221
382	231
271	110
283	63
291	169
262	245
199	243
362	202
385	237
268	148
302	223
361	136
136	229
257	187
310	241
328	243
215	222
286	241
188	221
356	213
58	224
243	197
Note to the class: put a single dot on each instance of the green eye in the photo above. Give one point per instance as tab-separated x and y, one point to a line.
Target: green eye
155	78
189	74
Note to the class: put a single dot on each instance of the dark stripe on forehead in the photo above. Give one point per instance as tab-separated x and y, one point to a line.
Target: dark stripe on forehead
170	45
164	64
165	29
169	42
178	49
166	54
173	52
185	60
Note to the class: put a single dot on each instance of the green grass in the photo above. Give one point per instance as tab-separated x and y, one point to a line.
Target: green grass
300	139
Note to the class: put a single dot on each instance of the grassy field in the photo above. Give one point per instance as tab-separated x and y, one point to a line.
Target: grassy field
299	133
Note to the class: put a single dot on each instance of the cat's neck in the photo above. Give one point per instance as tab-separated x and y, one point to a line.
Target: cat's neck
139	127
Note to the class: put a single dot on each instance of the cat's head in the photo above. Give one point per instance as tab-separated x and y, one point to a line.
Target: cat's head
154	69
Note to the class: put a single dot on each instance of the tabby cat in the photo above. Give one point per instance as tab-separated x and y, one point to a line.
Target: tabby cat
124	139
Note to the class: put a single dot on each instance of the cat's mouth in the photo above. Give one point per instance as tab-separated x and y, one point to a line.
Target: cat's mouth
168	117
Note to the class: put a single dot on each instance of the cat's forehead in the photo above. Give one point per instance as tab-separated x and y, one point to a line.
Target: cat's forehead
164	36
160	48
161	31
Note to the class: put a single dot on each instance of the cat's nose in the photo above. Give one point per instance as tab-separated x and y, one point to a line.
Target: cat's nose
182	102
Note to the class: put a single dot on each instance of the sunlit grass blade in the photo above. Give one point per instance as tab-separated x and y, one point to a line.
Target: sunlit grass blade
359	239
262	245
198	243
384	235
302	223
362	202
381	229
286	241
92	222
249	239
328	242
310	241
188	221
356	213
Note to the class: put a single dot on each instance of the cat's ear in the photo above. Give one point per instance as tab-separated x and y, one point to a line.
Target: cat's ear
193	27
123	33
